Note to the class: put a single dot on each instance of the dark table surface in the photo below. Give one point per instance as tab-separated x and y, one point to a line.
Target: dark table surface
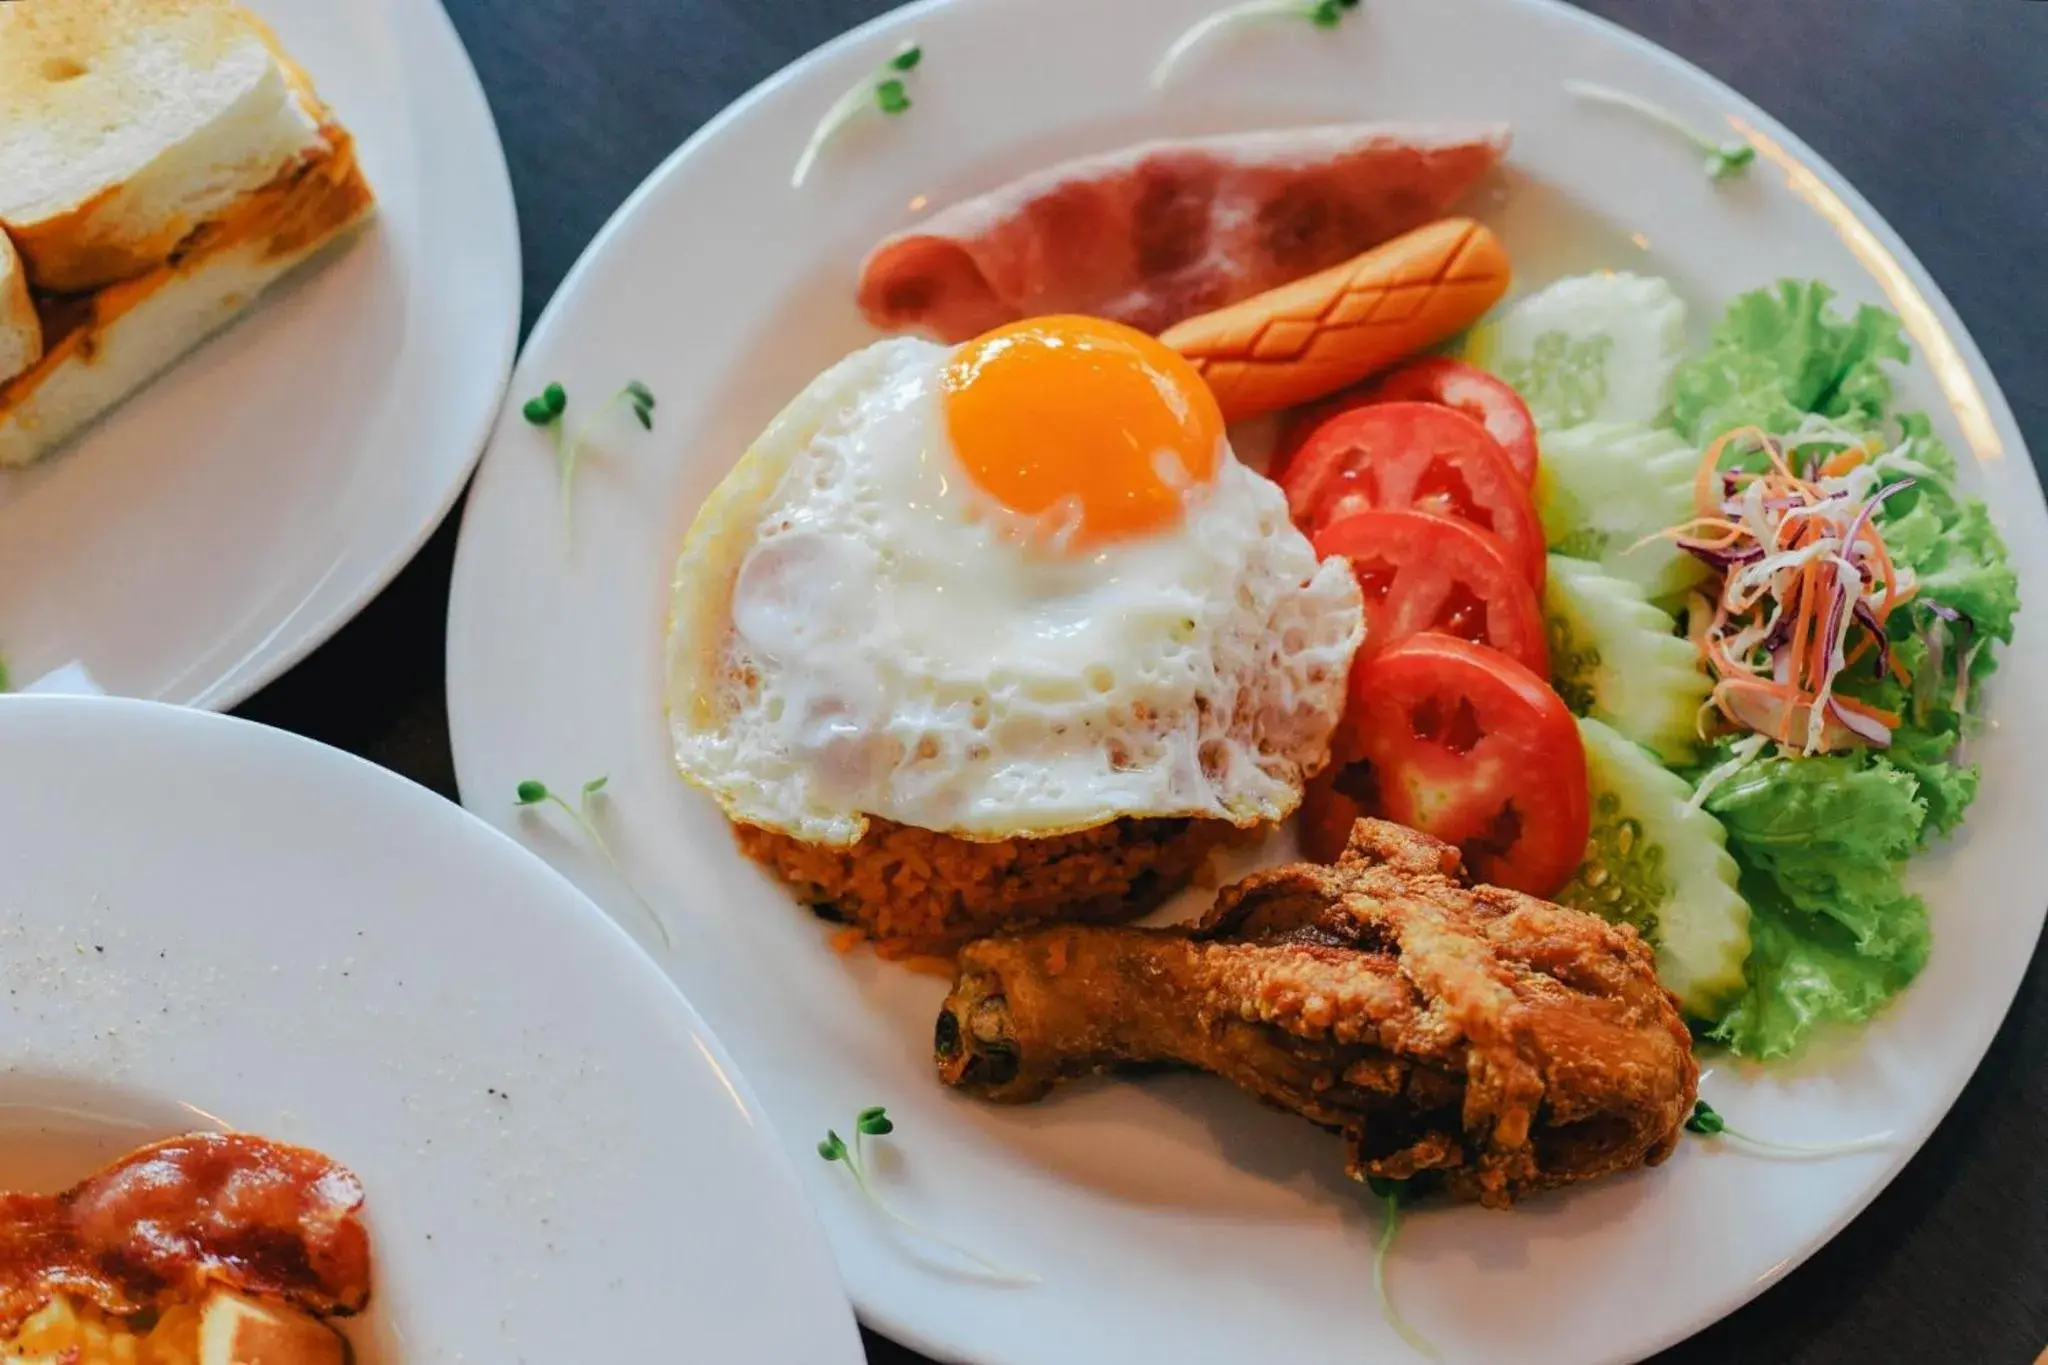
1936	109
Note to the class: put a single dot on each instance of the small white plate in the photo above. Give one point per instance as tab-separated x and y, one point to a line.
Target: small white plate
205	921
1178	1220
227	520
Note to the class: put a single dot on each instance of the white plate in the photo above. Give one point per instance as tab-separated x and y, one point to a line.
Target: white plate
1178	1220
227	520
208	920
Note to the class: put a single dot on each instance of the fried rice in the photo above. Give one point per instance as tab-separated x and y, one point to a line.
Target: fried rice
915	891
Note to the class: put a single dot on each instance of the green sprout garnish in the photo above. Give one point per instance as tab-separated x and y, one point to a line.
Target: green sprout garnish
874	1121
1391	1193
881	89
1321	13
531	793
1723	159
545	410
1706	1121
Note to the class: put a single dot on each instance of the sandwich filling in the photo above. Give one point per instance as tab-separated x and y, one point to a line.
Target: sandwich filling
307	203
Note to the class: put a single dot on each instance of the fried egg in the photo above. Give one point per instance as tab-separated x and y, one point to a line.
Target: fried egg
1017	588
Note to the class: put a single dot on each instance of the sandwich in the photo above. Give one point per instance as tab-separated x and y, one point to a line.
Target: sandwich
162	163
207	1249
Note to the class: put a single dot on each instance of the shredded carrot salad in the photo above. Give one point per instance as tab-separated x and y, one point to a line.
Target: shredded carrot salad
1803	569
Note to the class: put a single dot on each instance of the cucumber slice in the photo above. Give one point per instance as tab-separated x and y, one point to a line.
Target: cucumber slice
1605	487
1589	348
1657	863
1618	658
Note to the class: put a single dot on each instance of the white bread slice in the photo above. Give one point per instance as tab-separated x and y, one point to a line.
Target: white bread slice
21	332
126	124
101	348
235	1330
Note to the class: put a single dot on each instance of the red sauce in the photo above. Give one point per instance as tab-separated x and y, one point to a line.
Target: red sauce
173	1218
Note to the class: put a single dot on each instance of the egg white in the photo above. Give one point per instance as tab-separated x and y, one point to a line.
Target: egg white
857	632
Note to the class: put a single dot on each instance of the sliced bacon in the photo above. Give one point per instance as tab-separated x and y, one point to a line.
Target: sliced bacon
255	1216
1156	233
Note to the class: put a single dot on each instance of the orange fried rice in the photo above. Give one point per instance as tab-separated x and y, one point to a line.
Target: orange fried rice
915	891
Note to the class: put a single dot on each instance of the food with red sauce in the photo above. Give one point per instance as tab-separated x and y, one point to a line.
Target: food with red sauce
211	1248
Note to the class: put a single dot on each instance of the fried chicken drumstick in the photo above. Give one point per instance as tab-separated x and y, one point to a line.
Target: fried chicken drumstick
1498	1044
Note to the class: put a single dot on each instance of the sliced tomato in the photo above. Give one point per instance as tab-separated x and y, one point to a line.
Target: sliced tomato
1469	746
1487	400
1420	571
1414	455
1491	402
1303	421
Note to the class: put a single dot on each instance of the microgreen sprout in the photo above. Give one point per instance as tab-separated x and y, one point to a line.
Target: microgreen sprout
1707	1122
1391	1193
1723	159
546	409
874	1121
881	89
1321	13
531	794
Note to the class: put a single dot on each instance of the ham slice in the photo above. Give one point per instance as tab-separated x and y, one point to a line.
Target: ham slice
1156	233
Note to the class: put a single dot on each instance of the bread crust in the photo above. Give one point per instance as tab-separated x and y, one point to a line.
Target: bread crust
130	123
21	331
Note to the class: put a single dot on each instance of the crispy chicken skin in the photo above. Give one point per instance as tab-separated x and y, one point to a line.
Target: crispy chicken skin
1495	1043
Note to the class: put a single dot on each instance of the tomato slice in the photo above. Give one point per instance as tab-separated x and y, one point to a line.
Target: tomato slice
1420	571
1491	402
1302	424
1468	745
1419	455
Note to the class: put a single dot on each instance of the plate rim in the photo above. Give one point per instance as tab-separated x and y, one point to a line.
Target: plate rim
879	1316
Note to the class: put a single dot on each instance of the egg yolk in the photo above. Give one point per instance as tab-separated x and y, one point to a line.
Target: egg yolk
1091	425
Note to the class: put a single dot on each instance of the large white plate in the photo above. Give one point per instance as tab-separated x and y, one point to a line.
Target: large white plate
208	921
1177	1220
221	525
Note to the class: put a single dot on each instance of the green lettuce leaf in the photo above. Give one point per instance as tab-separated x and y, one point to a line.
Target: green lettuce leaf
1830	831
1822	842
1924	743
1947	539
1946	788
1958	556
1781	353
1805	971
